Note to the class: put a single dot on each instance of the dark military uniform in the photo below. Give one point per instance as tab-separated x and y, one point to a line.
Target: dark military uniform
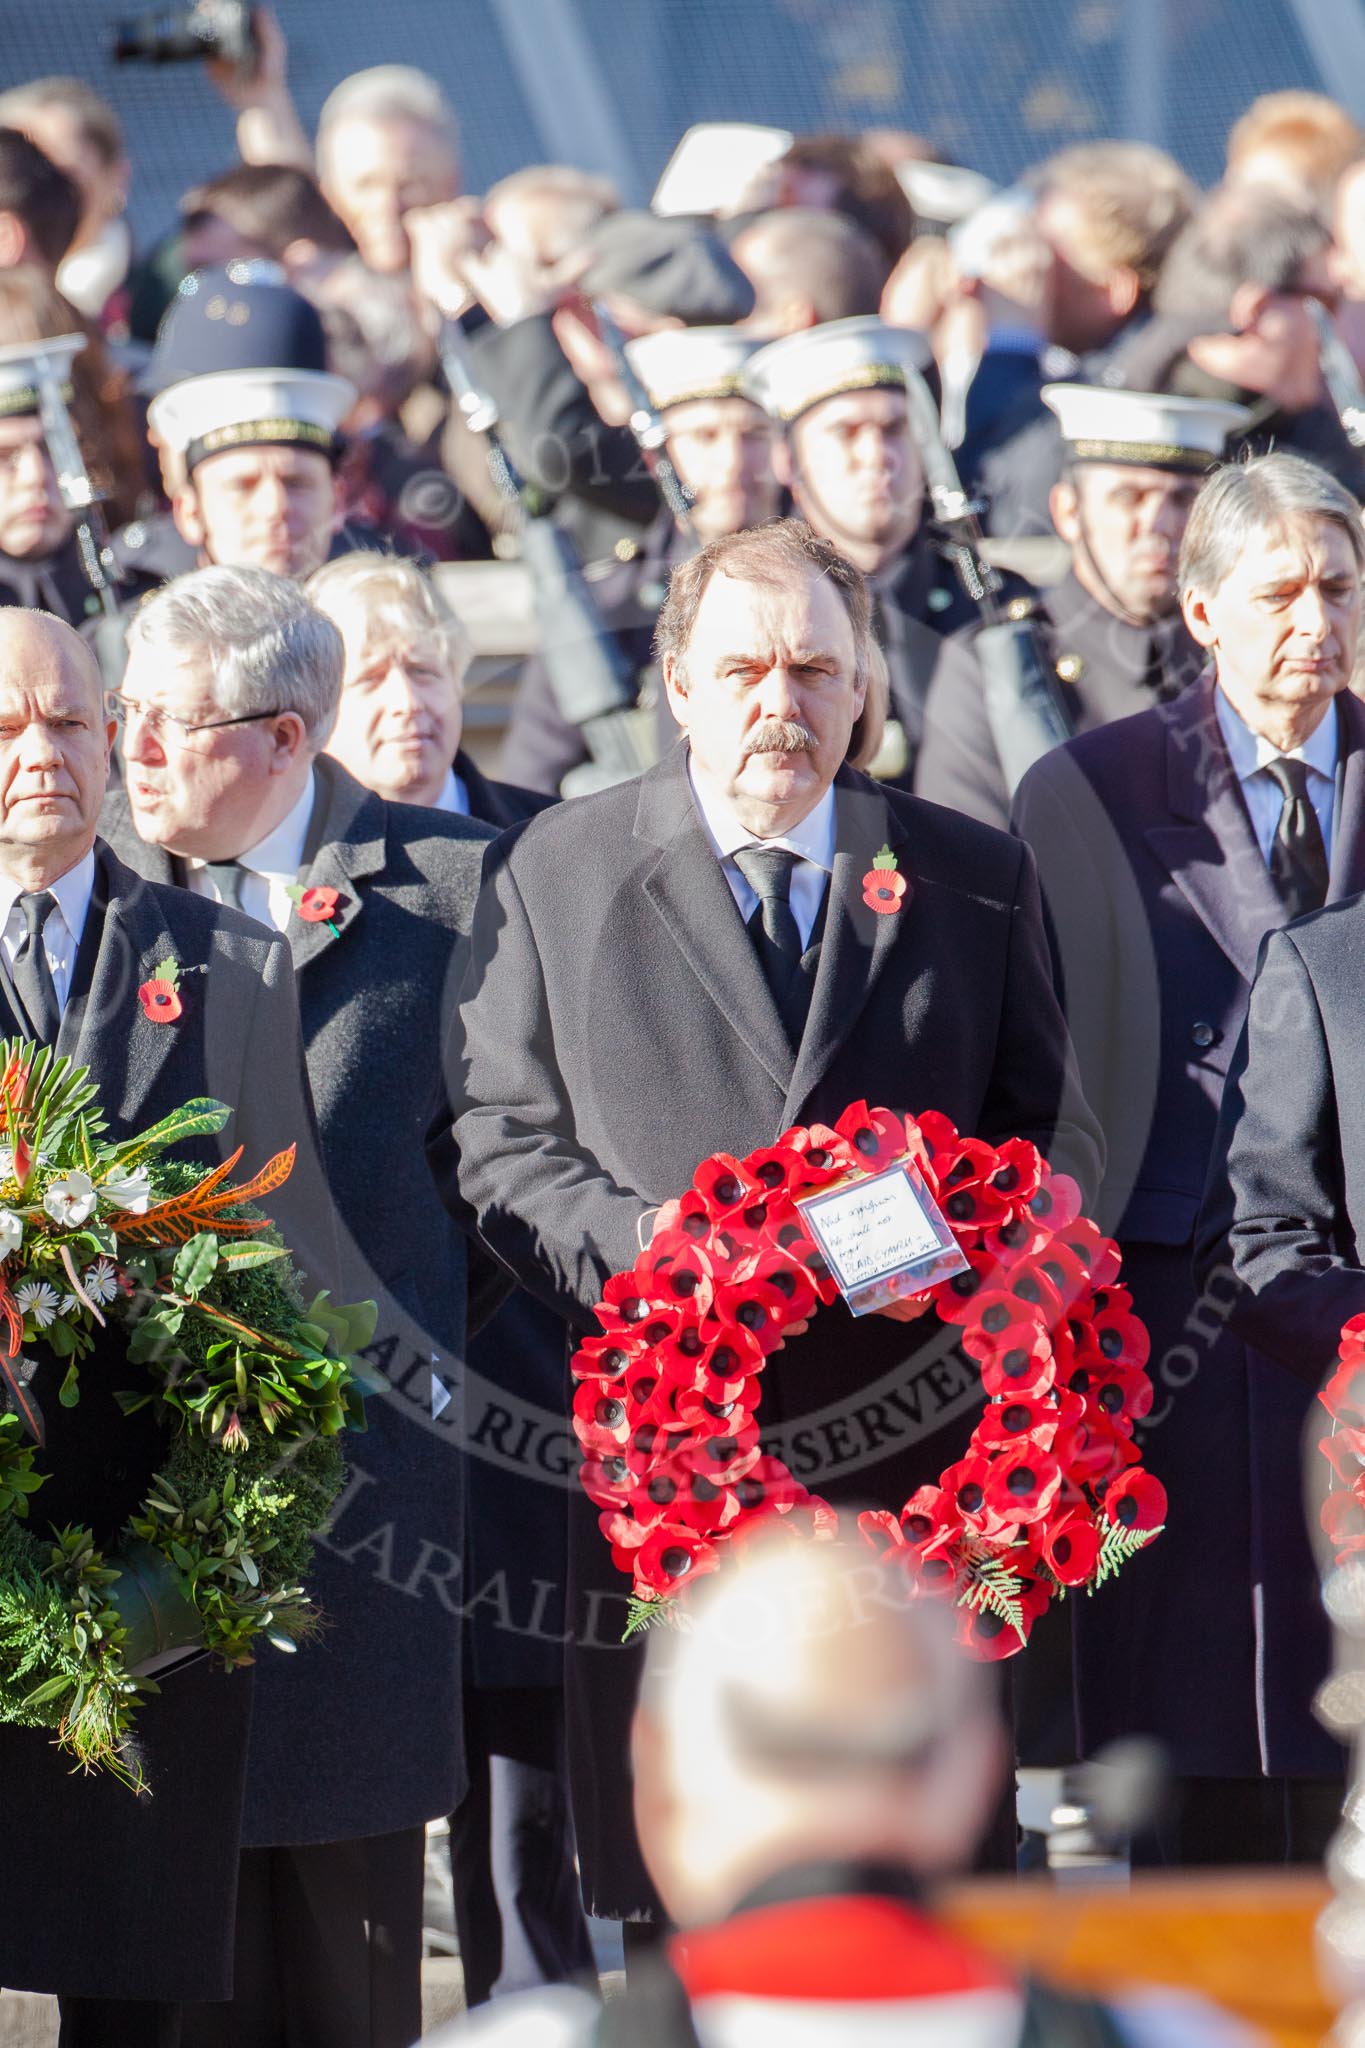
1105	667
53	583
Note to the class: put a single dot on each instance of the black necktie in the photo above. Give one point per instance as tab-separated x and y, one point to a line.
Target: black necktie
773	927
227	877
31	974
1298	858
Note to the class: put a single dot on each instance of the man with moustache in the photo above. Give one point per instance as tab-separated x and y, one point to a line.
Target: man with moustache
1169	845
686	964
848	455
1111	631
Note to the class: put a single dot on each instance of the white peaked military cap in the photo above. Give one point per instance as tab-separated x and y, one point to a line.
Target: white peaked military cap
22	366
942	194
714	165
679	364
789	376
1150	429
202	416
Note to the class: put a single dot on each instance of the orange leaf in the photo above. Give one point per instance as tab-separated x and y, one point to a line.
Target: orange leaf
199	1207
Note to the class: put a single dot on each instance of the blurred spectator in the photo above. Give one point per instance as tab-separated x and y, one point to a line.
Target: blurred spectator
809	1754
80	132
839	173
40	206
896	146
1347	259
807	266
1109	212
989	341
546	212
1296	143
261	210
102	405
387	142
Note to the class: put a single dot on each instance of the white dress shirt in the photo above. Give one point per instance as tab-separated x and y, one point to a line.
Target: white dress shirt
1250	752
812	841
454	796
64	926
270	868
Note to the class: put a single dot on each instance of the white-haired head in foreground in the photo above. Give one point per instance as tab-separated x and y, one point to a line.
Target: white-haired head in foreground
811	1708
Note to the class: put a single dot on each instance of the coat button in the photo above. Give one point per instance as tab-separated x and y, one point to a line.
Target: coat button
1204	1036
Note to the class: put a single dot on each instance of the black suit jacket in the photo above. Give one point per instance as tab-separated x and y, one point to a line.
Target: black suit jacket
615	1028
362	1733
174	1854
1159	898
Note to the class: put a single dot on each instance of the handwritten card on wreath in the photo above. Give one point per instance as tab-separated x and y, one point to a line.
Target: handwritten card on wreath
884	1237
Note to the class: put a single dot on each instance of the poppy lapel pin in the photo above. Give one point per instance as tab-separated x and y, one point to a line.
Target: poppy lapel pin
884	886
318	904
160	996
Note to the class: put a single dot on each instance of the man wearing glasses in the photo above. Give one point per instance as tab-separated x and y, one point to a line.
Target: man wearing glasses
229	697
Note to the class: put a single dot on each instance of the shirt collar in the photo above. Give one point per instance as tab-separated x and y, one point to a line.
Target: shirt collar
280	853
454	796
72	890
811	839
1250	751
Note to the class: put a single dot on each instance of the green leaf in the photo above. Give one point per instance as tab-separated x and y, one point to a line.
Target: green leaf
196	1263
197	1119
167	970
237	1258
60	1339
70	1392
885	859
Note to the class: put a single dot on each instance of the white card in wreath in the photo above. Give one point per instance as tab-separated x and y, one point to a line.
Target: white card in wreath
883	1236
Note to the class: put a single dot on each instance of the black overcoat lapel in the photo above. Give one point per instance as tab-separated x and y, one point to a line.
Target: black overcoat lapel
347	832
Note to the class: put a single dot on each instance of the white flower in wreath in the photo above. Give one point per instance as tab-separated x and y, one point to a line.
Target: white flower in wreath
101	1281
39	1299
132	1193
70	1199
11	1232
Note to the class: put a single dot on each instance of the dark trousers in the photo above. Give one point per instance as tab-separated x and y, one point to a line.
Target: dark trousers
118	2023
1220	1821
518	1909
329	1949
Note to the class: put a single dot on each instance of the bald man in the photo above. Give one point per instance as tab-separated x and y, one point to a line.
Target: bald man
808	1754
123	1905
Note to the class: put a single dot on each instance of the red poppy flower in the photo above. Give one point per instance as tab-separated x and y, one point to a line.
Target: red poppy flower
160	1001
1123	1394
1017	1419
605	1357
319	906
1020	1371
1071	1548
1097	1253
774	1167
682	1275
1001	1322
668	1555
964	1488
1344	1451
1057	1202
1136	1501
756	1306
1344	1394
601	1420
1023	1484
1094	1451
1343	1522
1018	1237
883	890
1116	1333
822	1155
1020	1171
604	1480
930	1523
775	1269
724	1186
987	1635
624	1304
955	1299
876	1135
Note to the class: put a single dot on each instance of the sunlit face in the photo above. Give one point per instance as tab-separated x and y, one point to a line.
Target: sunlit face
199	792
262	508
722	448
376	171
103	187
54	744
1126	524
1084	303
856	472
33	519
401	713
768	695
1284	624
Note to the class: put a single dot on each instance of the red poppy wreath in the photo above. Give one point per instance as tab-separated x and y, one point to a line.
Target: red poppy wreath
1050	1496
1343	1511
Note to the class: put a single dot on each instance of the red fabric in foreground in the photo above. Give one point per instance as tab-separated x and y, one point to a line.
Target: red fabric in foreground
837	1948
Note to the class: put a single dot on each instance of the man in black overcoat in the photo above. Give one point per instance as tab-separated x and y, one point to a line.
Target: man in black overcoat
123	1905
352	1751
618	1024
1162	848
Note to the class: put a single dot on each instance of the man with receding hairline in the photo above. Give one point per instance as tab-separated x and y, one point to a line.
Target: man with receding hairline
686	964
79	932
